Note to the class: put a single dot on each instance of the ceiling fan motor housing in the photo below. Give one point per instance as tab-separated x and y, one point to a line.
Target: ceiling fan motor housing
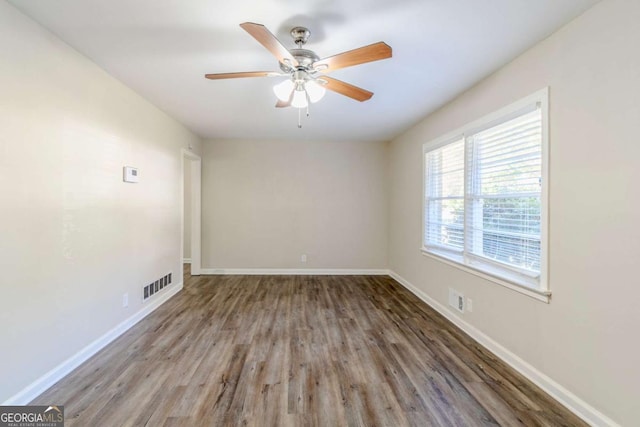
304	57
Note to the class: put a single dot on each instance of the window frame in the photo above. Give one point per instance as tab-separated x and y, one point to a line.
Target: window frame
511	277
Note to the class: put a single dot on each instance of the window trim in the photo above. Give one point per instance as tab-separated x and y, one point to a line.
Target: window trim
510	278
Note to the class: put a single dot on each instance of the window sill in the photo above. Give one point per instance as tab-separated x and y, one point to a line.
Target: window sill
507	282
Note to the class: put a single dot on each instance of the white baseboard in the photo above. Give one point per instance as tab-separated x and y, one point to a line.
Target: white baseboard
40	385
572	402
294	271
186	261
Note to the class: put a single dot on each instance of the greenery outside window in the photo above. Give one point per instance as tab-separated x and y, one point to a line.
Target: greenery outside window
485	196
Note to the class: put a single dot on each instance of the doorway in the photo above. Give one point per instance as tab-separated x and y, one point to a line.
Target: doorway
191	194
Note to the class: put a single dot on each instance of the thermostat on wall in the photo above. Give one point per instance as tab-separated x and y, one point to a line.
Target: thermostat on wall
130	174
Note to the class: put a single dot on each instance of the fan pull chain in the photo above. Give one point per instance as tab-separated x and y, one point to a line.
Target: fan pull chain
300	116
300	112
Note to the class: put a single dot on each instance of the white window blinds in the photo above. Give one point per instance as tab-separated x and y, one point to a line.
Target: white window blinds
483	204
445	196
505	176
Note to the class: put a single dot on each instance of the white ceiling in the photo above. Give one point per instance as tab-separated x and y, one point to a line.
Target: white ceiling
163	48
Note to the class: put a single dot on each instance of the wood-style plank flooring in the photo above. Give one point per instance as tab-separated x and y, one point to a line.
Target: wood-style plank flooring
298	351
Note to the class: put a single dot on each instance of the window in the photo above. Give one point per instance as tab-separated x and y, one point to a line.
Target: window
485	196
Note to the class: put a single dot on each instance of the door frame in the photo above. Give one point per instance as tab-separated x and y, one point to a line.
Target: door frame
196	172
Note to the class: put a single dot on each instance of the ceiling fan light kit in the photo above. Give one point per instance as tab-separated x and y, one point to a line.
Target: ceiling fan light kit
283	90
315	90
299	98
306	82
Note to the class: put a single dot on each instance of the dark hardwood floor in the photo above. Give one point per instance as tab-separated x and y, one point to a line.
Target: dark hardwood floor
300	351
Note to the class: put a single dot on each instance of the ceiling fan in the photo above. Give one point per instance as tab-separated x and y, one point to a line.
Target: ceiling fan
307	80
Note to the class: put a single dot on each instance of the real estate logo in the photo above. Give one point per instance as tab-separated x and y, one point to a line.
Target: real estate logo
32	416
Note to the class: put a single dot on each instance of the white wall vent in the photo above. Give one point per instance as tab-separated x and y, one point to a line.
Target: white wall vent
456	300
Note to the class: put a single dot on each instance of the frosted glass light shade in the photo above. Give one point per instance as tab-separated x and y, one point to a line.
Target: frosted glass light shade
299	99
283	90
315	91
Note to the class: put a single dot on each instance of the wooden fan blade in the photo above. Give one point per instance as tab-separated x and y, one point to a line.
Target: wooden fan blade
346	89
268	40
240	75
283	104
373	52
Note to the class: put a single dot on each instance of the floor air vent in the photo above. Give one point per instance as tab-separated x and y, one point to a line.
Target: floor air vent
153	288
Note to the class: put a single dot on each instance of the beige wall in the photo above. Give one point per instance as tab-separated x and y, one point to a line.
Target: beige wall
74	237
264	204
586	339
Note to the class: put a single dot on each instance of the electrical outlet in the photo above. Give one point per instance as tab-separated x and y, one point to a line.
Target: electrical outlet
469	304
303	258
125	300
